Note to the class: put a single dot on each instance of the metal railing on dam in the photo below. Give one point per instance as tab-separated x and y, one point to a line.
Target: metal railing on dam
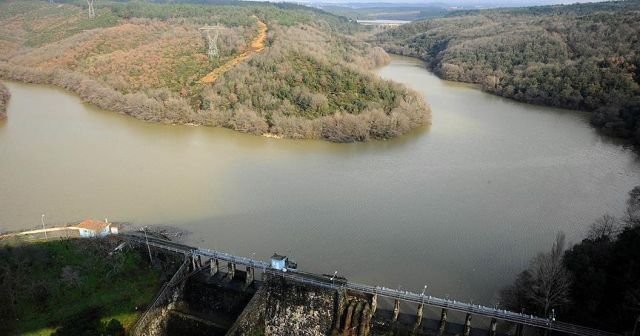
338	284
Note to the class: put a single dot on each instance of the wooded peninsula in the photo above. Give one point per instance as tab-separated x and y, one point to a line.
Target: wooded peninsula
311	79
582	56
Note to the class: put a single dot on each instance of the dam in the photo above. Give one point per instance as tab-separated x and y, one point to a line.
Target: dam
287	301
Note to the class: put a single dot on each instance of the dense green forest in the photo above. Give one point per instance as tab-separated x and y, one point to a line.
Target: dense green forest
310	78
4	100
594	283
582	56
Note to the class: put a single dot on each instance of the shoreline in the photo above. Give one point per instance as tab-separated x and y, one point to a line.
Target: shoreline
480	87
5	95
339	127
477	86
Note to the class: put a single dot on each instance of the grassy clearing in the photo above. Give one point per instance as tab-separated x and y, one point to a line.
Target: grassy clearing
46	285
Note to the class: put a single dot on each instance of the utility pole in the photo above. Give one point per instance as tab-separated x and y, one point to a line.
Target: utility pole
212	42
45	232
92	11
148	248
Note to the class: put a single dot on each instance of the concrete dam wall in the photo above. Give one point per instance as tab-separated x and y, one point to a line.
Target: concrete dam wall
227	304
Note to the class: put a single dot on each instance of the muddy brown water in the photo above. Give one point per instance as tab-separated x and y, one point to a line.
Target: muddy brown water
460	206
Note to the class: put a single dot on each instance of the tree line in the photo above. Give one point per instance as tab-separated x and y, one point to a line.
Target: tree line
4	100
582	56
595	283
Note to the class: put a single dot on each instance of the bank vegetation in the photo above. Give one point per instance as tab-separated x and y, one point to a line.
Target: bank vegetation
311	81
582	56
4	100
595	282
74	287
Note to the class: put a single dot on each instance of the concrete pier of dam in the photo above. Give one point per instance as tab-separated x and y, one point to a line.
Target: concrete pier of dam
215	293
219	304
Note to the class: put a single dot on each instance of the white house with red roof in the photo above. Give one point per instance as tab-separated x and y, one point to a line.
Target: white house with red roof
95	228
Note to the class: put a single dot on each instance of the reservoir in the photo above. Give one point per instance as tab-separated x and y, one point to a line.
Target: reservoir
460	206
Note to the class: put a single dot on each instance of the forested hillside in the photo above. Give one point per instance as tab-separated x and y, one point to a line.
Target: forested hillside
582	56
311	80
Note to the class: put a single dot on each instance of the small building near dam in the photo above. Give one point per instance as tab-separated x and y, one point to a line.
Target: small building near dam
93	228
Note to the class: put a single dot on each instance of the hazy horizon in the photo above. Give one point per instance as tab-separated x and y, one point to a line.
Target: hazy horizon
451	3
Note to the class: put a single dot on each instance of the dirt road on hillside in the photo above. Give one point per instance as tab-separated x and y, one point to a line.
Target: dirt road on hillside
257	45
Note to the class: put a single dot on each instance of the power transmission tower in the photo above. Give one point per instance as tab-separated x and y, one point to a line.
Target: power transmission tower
212	41
92	12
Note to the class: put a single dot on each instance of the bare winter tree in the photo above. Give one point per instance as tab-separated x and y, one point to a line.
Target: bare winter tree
551	280
70	276
4	100
632	217
605	227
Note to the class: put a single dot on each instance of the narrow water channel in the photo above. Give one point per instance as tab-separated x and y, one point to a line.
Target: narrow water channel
460	206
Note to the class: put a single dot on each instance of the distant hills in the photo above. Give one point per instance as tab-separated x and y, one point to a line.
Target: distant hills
444	3
417	10
583	56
